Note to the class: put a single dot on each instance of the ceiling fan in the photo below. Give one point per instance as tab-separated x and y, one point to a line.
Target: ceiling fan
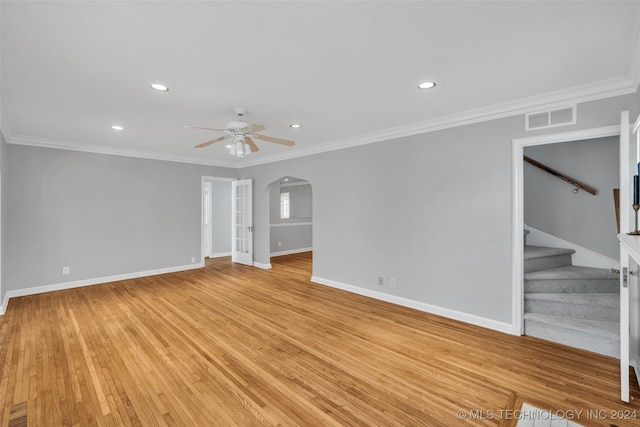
242	133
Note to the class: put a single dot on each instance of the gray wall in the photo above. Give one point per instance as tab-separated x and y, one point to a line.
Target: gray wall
580	218
100	215
3	222
295	233
438	219
221	217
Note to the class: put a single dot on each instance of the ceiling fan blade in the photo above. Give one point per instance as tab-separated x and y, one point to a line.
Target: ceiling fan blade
204	144
196	127
276	140
253	128
252	145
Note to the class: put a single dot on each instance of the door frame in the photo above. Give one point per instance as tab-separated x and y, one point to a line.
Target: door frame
208	202
517	184
272	187
203	212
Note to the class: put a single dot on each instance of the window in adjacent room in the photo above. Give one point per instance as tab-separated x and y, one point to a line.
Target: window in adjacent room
285	207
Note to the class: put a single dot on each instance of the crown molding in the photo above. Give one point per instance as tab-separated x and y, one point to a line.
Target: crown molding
578	94
632	71
149	155
575	95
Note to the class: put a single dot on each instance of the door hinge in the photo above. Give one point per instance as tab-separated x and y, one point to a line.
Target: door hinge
625	276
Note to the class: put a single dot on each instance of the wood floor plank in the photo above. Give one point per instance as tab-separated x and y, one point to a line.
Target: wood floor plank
230	345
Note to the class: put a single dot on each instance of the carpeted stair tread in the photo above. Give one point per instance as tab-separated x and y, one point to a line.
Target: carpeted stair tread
610	330
583	298
537	258
579	305
571	272
531	252
572	279
572	305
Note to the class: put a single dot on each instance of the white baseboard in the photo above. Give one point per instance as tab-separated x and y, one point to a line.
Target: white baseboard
89	282
291	252
582	256
261	265
633	362
427	308
220	255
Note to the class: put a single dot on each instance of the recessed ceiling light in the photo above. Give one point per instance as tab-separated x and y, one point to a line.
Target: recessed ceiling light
426	85
159	87
117	127
295	125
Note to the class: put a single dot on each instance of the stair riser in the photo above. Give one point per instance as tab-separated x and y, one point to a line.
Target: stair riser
597	344
572	285
576	311
545	263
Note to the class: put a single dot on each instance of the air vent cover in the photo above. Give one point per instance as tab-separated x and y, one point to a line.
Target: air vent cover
551	118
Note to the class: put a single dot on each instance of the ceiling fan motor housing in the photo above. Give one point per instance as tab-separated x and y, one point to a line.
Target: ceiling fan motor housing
237	125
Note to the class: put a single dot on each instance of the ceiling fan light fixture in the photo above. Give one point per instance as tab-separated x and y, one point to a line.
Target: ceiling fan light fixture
426	85
239	148
240	135
159	87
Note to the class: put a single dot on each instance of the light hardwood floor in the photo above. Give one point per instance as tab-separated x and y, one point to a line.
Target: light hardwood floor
232	345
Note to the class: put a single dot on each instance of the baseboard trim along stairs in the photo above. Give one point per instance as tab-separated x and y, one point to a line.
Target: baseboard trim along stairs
573	305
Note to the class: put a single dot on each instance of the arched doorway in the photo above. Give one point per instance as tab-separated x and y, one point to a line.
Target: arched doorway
290	216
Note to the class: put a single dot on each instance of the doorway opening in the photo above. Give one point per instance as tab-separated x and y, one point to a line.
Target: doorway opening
518	152
290	217
216	230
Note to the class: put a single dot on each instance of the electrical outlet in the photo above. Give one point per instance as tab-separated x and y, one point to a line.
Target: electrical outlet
65	270
381	281
193	259
279	244
392	282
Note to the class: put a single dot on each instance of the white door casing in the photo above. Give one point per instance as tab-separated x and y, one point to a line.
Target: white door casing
207	218
518	206
208	214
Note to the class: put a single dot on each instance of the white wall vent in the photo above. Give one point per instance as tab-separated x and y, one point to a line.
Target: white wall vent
551	118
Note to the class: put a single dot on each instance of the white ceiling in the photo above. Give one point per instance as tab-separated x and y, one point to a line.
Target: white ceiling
347	71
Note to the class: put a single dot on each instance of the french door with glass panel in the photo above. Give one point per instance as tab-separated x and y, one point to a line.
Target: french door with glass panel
242	222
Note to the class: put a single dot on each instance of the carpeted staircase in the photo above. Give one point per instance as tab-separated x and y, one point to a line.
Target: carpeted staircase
568	304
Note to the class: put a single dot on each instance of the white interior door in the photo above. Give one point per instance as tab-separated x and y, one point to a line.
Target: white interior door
629	160
634	289
630	296
242	222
